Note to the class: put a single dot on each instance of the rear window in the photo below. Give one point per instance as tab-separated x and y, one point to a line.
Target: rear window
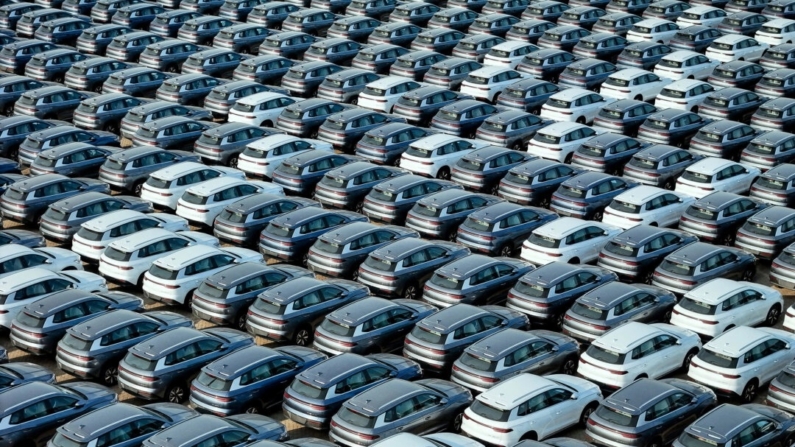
427	335
139	362
380	264
158	183
478	225
702	213
759	229
338	328
14	194
717	359
427	210
765	182
447	282
698	307
269	307
677	268
617	417
621	249
690	440
194	199
478	363
474	165
30	320
605	355
117	255
310	391
590	312
489	412
543	241
625	207
279	230
77	343
212	291
213	382
163	273
786	378
90	235
643	163
533	290
329	246
356	419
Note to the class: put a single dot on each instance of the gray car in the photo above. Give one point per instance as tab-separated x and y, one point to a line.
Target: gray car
224	297
54	102
512	128
52	65
614	304
223	144
266	68
617	422
25	201
242	38
754	425
204	430
250	380
184	352
63	218
129	169
767	232
399	406
391	200
386	144
37	142
18	373
482	169
92	349
345	86
440	339
699	262
500	229
659	165
511	352
339	253
776	186
216	62
72	160
242	222
128	47
222	98
188	89
716	217
347	186
168	55
546	176
402	268
140	82
369	325
769	150
120	425
90	74
300	173
39	326
105	112
451	72
439	215
138	116
474	279
545	294
586	195
357	28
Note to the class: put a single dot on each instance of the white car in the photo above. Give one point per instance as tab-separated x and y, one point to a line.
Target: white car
262	157
530	407
432	440
776	32
736	47
647	205
164	187
259	109
684	94
14	257
716	174
435	155
574	105
685	64
701	15
96	234
201	203
488	82
381	95
633	83
567	239
720	304
508	54
653	30
558	141
789	319
173	278
25	286
125	260
635	350
740	360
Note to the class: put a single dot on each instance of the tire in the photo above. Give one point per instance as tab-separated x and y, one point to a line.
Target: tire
109	375
355	275
233	161
172	69
598	216
240	320
773	315
138	188
557	321
517	146
694	109
728	239
412	292
586	413
642	376
176	393
303	336
506	251
529	436
496	98
638	97
688	358
647	277
9	109
669	184
359	207
354	101
59	79
111	127
574	260
748	274
267	123
749	392
654	443
455	426
443	174
545	202
581	120
305	260
569	366
189	300
667	316
568	158
252	408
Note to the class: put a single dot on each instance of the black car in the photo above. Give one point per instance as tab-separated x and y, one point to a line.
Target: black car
476	46
731	104
398	33
716	217
624	116
546	64
463	118
528	95
739	74
167	24
745	23
643	55
694	38
302	80
529	30
754	424
415	64
378	58
300	173
562	37
420	105
16	55
779	82
587	73
779	56
672	126
289	44
604	46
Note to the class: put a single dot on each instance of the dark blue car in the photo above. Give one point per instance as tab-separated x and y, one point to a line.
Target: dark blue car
586	195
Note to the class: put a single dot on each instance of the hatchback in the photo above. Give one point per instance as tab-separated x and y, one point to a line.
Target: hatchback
168	55
731	103
235	430
344	129
439	215
129	169
545	176
391	200
346	186
105	112
242	222
243	38
482	169
224	144
27	200
779	56
586	195
356	28
19	373
173	132
63	218
394	33
203	29
54	102
546	10
137	15
15	129
314	21
216	62
475	46
72	159
378	58
386	144
346	85
267	68
697	263
455	18
767	232
52	65
616	23
300	173
21	237
304	118
499	229
15	56
775	115
528	95
775	186
167	24
139	82
38	142
128	47
290	44
718	216
419	106
303	80
188	89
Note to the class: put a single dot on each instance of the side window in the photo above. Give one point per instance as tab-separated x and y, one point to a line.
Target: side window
758	352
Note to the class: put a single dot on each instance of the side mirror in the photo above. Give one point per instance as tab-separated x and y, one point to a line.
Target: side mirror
48	261
574	396
443	401
787	346
694	400
555	349
79	404
392	373
678	342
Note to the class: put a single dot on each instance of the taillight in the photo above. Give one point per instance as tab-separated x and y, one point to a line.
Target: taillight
435	351
495	429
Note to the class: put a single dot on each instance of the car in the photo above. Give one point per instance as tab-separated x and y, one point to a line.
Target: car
266	68
259	383
731	103
52	65
613	421
672	127
655	30
173	132
438	340
11	13
168	23
39	141
21	237
782	8
63	218
559	140
454	17
642	55
27	200
603	45
334	50
545	10
464	117
15	129
528	95
582	16
395	33
444	405
188	89
96	234
224	144
262	208
129	169
33	20
203	29
700	38
586	195
269	14
633	83
346	85
169	54
418	13
623	116
563	37
768	150
128	47
776	83
217	430
420	105
345	187
304	118
659	165
241	38
132	422
508	54
261	157
386	144
596	312
369	324
701	15
16	55
684	64
204	201
355	28
607	152
415	64
774	115
736	47
648	205
587	74
354	124
716	174
7	180
582	244
685	94
137	15
219	62
190	350
45	406
778	56
736	74
378	58
729	421
482	169
699	262
496	23
778	389
53	102
314	21
545	175
105	112
438	215
287	44
776	31
38	327
475	46
138	82
106	337
18	257
773	186
300	173
766	233
72	159
19	373
138	116
754	353
487	83
718	216
574	104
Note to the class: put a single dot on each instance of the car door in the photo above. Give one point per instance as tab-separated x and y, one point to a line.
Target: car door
672	210
561	410
428	411
666	357
778	356
673	414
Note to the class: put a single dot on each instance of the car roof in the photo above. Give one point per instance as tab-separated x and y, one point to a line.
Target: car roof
694	253
258	98
289	291
16	397
444	198
722	421
234	364
507	395
237	273
587	179
561	227
138	239
451	317
641	194
716	290
215	185
401	248
489	70
717	200
774	215
784	171
379	398
13	281
684	84
184	256
389	82
625	337
93	424
571	94
359	311
349	232
464	267
333	369
608	295
710	165
638	235
79	200
629	73
639	394
560	128
501	343
166	341
680	55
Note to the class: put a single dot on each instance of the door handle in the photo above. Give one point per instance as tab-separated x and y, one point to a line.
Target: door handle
427	418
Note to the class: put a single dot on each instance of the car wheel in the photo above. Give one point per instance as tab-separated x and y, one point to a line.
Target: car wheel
517	146
568	158
303	336
495	190
176	394
355	275
109	374
545	202
748	274
412	291
529	436
305	259
233	161
647	277
638	97
172	69
496	98
598	216
9	110
313	134
557	321
189	300
772	315
98	88
359	207
749	392
58	79
574	260
654	443
728	239
581	120
506	251
355	101
252	409
455	427
569	366
240	320
669	184
642	376
586	414
667	316
138	188
111	127
443	174
694	109
688	359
